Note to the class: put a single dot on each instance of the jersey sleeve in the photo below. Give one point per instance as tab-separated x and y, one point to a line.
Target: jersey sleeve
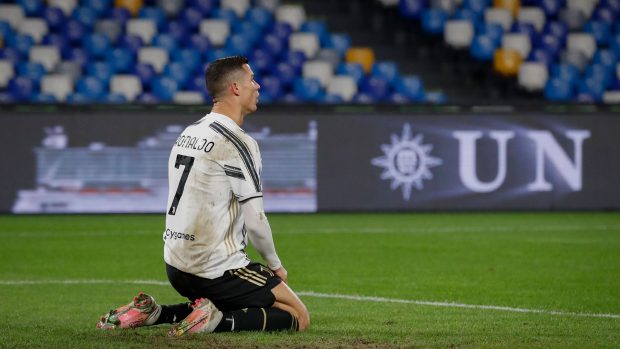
241	169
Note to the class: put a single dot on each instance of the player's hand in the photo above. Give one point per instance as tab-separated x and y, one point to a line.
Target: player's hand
282	274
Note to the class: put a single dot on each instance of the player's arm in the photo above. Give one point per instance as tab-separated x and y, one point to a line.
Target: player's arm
259	233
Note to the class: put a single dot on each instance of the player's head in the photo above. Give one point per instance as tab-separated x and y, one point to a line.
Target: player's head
232	78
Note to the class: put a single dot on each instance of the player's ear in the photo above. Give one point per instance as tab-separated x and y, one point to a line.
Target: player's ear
234	88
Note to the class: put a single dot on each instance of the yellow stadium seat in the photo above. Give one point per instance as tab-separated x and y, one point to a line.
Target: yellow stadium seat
362	55
133	6
507	61
512	5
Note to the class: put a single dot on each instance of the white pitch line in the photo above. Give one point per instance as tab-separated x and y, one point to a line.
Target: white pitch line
325	295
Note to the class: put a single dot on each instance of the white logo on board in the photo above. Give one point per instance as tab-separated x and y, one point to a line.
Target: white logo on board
406	162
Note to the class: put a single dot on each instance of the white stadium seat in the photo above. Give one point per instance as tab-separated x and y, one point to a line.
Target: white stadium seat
329	55
239	6
67	6
127	85
35	27
7	72
308	43
344	86
584	6
144	28
188	97
583	42
58	85
519	42
320	70
71	68
611	97
155	56
108	27
217	30
533	76
13	14
500	16
458	33
271	5
47	55
294	15
532	15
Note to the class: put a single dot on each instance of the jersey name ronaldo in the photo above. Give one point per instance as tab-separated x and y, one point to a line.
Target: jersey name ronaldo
213	167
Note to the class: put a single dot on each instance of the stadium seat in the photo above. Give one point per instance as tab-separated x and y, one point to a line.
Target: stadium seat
101	70
507	61
133	6
532	15
22	88
59	41
54	17
239	6
308	43
49	56
261	16
328	55
282	30
573	18
365	56
308	89
500	16
271	88
113	98
58	85
204	7
511	5
565	72
155	56
12	13
611	97
575	58
517	42
376	87
605	57
188	97
44	98
271	5
433	20
459	34
70	68
66	6
10	54
178	72
120	15
533	76
32	70
144	28
32	8
217	30
198	42
320	70
317	27
131	42
155	14
592	88
164	88
274	45
294	15
586	7
87	16
342	85
583	42
128	85
97	45
21	42
285	72
7	72
600	30
238	44
34	27
91	87
110	28
79	98
189	57
191	18
352	69
410	86
387	70
340	42
261	60
551	8
411	9
121	60
167	42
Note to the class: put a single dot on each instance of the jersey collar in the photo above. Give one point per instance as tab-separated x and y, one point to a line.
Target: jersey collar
223	119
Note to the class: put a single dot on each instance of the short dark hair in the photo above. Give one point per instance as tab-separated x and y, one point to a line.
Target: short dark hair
218	72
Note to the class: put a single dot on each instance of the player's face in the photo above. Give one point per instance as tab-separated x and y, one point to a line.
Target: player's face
249	90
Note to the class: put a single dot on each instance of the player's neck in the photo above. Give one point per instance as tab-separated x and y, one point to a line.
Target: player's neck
230	110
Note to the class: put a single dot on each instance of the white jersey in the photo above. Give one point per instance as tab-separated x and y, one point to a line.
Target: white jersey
213	167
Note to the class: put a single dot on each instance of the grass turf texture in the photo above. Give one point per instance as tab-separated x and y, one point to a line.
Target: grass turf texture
567	262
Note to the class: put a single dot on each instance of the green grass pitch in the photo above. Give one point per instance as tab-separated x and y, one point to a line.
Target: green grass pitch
470	280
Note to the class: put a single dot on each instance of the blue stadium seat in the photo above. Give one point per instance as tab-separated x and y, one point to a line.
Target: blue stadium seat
433	20
238	44
197	83
549	43
100	70
119	14
189	57
478	6
191	17
154	13
354	70
6	30
285	72
131	42
340	42
227	14
78	55
87	16
470	15
79	98
32	8
21	42
273	44
178	30
606	57
525	28
114	98
55	18
387	70
260	16
482	48
317	27
435	97
101	7
22	88
556	89
542	56
145	72
31	70
167	42
7	98
556	28
308	89
602	74
43	98
411	9
399	98
178	72
204	7
271	88
252	31
331	98
122	60
164	88
59	41
364	98
601	31
10	54
212	55
147	98
295	58
377	87
199	43
551	8
74	31
565	72
97	45
282	30
605	14
493	30
91	87
411	86
261	60
591	87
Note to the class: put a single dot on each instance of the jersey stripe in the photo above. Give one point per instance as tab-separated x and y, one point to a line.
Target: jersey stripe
243	151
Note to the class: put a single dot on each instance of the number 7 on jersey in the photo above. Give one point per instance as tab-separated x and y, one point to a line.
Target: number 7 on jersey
188	162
